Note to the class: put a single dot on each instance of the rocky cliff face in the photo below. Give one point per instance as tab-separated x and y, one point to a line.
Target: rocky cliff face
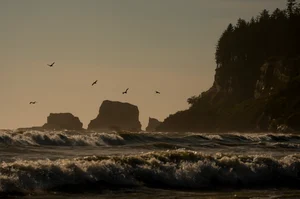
116	116
63	121
275	76
280	90
152	124
268	99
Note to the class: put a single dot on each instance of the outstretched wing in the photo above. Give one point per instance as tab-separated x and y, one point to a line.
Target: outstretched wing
51	64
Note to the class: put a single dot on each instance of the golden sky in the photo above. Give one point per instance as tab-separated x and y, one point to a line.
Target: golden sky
146	45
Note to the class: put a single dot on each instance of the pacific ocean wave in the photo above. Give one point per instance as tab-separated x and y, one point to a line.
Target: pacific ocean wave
184	140
205	140
174	169
59	138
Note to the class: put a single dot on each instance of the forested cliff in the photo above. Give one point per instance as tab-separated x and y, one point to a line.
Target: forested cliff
256	84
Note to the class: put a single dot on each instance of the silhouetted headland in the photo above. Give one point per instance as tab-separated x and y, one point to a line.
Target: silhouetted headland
257	83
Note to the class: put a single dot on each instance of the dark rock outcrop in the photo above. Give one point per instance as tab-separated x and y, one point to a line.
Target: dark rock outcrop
63	121
257	79
152	124
274	104
116	116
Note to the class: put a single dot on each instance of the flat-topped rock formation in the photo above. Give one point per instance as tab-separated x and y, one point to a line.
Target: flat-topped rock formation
152	124
63	121
115	115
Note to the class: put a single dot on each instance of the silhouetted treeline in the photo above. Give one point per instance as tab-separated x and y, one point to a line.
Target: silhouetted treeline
264	36
257	56
244	47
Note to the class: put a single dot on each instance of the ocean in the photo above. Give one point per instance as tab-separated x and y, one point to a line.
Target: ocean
88	164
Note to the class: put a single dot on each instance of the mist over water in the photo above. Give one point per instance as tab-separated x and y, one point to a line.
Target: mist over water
68	162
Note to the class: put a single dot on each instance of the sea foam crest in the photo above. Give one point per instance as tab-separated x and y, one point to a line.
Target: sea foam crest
169	169
66	138
59	138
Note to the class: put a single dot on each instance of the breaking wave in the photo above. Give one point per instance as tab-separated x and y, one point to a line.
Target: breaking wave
164	140
59	138
175	169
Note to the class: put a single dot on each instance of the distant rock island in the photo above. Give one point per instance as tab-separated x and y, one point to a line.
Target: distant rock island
115	115
63	121
257	81
152	124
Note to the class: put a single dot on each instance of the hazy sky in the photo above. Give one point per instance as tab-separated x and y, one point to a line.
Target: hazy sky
146	45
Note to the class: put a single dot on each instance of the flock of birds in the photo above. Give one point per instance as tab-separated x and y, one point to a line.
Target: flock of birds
95	82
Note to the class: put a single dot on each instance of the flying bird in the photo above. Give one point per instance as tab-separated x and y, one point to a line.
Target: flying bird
32	102
95	82
157	92
51	65
125	92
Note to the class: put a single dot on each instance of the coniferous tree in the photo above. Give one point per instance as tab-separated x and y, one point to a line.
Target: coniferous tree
264	15
278	14
291	6
245	46
265	36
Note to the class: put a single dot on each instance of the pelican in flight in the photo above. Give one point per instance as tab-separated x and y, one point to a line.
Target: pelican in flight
157	92
125	92
95	82
32	102
51	65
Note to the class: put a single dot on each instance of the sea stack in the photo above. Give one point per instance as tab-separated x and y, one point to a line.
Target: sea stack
114	115
63	121
152	124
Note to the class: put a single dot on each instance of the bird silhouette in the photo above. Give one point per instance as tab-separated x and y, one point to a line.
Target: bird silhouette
32	102
157	92
125	92
51	65
95	82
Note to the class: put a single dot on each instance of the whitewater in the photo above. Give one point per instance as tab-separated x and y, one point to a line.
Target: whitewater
89	164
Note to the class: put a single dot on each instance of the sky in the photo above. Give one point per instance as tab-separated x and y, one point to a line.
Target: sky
143	45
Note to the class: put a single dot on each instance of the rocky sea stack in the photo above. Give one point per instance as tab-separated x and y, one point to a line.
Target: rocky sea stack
152	124
115	115
63	121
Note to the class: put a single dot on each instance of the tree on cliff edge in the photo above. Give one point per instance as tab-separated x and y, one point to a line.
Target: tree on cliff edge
241	51
245	46
260	38
291	7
